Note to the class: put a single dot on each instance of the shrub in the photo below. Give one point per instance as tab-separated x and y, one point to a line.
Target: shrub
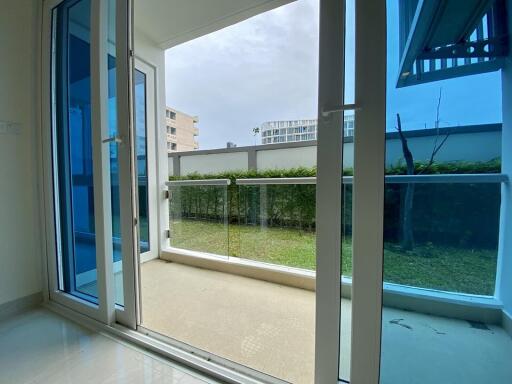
458	214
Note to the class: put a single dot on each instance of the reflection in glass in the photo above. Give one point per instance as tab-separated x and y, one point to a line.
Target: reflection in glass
114	159
440	322
141	153
72	140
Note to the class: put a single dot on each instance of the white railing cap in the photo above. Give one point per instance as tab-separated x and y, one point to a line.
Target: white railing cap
198	182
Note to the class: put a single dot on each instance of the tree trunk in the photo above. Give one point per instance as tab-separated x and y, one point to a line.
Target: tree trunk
407	227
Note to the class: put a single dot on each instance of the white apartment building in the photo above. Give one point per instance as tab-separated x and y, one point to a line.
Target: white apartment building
181	131
287	131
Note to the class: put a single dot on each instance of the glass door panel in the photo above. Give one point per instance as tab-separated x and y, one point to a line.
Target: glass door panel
72	141
85	157
444	229
219	309
141	149
346	213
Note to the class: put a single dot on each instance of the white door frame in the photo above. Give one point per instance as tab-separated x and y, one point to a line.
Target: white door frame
151	135
368	189
126	315
104	310
369	147
329	190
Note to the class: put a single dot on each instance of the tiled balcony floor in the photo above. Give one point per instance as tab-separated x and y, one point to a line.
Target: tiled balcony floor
270	328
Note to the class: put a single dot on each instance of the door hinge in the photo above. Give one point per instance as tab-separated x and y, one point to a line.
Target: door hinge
168	233
167	194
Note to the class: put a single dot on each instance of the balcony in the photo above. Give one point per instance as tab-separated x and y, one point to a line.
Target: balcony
243	252
232	316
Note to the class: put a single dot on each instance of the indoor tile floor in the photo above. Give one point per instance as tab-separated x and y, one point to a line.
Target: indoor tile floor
42	347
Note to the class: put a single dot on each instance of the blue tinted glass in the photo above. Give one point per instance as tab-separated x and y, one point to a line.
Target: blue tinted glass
442	238
114	160
141	152
73	141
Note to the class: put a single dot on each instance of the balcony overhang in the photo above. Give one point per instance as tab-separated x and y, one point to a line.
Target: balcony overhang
171	22
442	30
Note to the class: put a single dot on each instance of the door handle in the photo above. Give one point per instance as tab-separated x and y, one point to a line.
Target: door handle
112	139
326	111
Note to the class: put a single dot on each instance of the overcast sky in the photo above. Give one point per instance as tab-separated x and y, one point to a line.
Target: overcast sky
266	68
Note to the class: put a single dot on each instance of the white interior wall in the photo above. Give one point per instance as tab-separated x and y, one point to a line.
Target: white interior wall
20	230
148	51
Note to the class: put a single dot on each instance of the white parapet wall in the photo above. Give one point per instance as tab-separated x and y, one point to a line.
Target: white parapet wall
214	163
467	143
286	158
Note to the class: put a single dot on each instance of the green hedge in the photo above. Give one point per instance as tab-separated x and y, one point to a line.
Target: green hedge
458	214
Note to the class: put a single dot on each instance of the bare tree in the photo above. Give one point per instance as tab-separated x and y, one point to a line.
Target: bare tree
407	240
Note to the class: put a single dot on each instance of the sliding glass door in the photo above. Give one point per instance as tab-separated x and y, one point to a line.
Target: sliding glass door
295	260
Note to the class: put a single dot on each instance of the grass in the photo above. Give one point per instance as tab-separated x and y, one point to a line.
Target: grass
428	266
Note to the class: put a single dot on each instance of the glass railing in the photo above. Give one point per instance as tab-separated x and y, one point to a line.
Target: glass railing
198	215
276	221
446	239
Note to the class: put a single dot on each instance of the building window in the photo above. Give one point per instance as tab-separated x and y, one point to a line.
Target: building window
173	146
173	115
173	130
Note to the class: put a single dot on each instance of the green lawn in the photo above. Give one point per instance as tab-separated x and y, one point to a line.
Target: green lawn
428	266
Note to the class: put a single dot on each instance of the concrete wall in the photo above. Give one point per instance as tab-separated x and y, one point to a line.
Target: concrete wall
20	230
214	163
481	146
286	158
470	143
504	283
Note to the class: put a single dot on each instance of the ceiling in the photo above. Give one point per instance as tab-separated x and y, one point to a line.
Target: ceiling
172	22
